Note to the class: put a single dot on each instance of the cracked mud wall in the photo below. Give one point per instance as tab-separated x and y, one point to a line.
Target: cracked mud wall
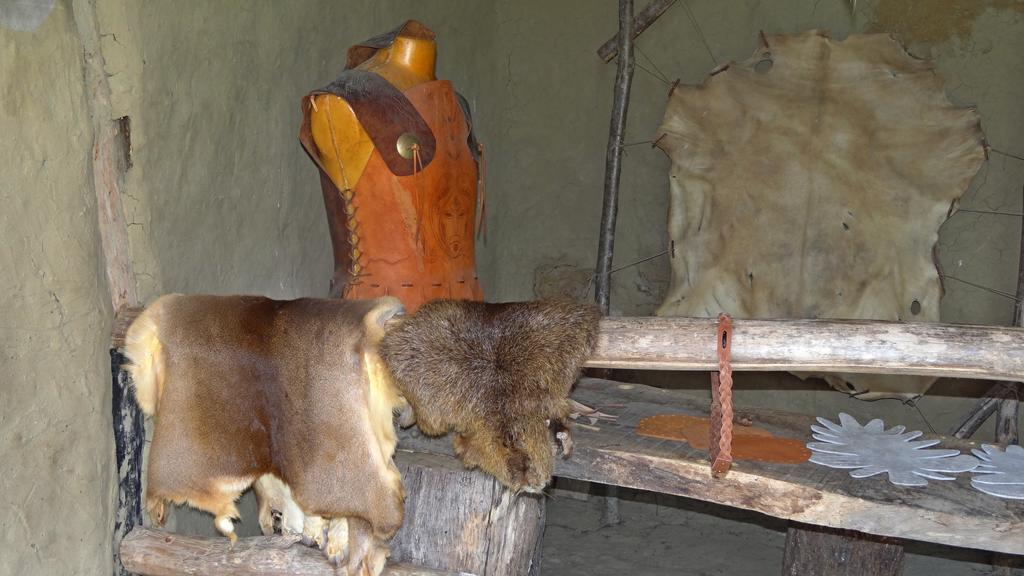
57	484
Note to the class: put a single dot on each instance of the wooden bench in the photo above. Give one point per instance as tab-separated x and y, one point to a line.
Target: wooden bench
831	511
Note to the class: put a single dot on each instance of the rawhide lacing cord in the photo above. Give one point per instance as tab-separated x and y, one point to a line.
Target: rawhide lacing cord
720	445
417	167
481	186
355	270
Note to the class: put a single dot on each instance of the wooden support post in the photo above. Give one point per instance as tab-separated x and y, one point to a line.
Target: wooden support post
613	157
129	437
110	160
110	154
829	552
1008	416
464	520
643	20
986	406
612	176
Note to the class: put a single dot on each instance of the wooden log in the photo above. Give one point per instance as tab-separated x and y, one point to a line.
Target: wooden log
982	409
855	346
1007	417
826	552
464	520
156	553
122	320
108	165
643	20
129	437
610	206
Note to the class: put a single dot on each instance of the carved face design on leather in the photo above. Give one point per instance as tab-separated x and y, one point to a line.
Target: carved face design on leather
454	215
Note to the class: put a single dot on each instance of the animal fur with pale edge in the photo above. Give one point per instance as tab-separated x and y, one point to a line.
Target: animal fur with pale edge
494	374
290	393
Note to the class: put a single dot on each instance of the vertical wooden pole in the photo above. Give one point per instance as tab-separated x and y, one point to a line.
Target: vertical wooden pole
643	20
610	208
983	408
129	436
828	552
1008	415
110	160
613	157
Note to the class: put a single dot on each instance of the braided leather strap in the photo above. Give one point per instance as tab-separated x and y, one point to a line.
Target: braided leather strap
721	402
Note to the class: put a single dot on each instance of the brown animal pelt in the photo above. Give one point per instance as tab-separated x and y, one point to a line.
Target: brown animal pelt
494	374
290	395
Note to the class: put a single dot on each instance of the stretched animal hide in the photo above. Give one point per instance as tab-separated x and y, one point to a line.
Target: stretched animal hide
496	375
290	395
810	181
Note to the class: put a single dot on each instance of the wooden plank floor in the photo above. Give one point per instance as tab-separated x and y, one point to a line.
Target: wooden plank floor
951	513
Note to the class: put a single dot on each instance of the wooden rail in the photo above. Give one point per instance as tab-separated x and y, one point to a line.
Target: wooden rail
852	346
157	553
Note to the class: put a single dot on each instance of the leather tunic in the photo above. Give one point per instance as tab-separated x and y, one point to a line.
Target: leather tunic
416	239
400	231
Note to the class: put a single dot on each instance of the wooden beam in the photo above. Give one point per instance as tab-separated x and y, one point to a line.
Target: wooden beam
854	346
129	438
122	320
108	165
950	513
156	553
815	550
643	20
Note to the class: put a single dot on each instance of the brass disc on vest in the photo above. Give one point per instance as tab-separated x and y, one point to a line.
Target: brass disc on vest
406	143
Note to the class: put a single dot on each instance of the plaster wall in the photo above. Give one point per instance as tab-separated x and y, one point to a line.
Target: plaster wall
57	479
